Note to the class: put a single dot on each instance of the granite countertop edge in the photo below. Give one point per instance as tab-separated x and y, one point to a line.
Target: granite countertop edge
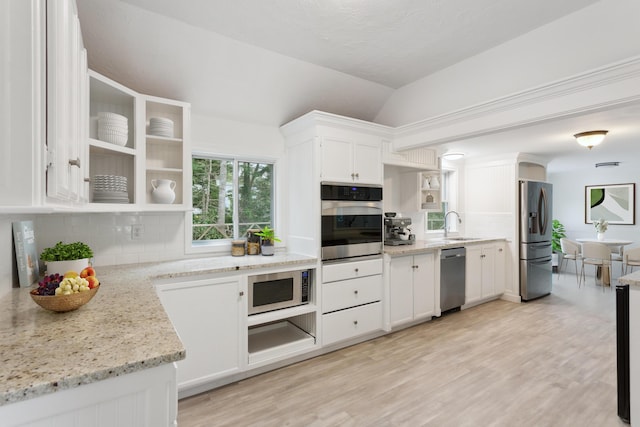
422	246
125	301
631	279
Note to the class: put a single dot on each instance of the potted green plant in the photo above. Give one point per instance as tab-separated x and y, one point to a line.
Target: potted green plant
65	257
557	233
267	240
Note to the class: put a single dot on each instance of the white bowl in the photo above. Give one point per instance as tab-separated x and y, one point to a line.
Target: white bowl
112	116
113	138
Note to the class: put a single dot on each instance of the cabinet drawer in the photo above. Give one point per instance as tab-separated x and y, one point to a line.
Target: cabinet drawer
349	323
349	293
351	270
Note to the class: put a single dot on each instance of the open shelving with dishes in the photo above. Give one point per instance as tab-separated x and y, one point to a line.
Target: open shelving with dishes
165	146
140	139
430	198
418	191
112	144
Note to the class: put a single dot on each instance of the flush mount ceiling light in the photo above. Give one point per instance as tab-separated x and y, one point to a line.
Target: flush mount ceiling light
591	138
453	155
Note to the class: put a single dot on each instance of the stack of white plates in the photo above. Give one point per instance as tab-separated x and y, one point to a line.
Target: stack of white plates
113	128
110	189
159	126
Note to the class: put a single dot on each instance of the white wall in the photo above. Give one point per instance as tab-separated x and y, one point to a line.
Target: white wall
569	198
600	34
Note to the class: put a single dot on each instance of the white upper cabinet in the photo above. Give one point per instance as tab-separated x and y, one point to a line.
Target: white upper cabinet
67	94
349	150
349	161
45	73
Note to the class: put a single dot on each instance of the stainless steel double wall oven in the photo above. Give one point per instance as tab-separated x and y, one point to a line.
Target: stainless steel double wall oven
351	221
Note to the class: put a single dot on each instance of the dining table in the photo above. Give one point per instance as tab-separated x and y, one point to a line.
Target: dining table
603	272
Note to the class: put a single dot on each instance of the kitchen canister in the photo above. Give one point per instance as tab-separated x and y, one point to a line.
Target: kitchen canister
238	247
253	242
163	191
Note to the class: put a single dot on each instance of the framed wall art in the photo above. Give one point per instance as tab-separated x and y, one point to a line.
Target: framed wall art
616	203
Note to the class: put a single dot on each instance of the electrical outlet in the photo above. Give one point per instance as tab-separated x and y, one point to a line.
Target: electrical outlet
137	231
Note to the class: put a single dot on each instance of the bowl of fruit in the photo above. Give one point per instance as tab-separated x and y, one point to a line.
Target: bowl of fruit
67	292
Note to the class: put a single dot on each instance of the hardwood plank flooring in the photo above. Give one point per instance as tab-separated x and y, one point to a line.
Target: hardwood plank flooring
549	362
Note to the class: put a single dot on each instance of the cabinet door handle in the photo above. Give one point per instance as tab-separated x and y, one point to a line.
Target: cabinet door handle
75	162
241	293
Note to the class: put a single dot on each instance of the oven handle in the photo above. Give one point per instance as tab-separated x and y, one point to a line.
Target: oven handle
329	207
351	210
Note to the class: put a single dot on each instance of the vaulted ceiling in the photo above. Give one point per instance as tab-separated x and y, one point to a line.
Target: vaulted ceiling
268	62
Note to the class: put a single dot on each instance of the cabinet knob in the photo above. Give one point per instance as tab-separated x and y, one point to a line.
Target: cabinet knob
357	175
355	292
353	176
355	322
241	293
500	250
356	270
75	162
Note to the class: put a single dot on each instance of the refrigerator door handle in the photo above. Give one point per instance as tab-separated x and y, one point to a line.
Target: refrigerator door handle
541	261
543	209
541	245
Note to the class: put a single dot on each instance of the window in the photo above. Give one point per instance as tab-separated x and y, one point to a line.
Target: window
230	196
435	219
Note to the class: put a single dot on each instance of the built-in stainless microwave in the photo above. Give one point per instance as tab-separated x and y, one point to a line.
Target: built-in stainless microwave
279	290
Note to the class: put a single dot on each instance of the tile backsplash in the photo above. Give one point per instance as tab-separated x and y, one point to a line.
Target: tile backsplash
110	235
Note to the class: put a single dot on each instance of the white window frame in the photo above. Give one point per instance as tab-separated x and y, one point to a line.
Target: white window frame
223	246
452	189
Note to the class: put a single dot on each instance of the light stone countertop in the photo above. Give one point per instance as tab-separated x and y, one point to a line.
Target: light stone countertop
431	245
631	279
123	329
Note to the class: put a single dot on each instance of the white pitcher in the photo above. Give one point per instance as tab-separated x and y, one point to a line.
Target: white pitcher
163	191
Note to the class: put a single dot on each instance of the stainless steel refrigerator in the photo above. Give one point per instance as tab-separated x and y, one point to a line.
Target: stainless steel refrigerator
535	239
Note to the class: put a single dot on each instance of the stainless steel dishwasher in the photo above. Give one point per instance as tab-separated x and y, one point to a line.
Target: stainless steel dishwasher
452	276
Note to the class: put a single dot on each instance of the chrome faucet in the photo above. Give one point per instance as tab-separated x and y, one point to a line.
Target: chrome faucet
445	221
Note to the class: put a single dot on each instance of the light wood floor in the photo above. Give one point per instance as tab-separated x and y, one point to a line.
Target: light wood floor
550	362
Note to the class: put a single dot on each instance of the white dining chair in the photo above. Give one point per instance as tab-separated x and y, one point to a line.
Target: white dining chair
598	255
617	255
570	251
631	259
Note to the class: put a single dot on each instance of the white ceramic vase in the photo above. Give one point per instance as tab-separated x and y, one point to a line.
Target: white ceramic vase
163	191
600	236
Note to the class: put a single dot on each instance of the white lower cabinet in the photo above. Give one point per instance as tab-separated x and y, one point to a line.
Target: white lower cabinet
351	300
206	315
349	323
412	288
485	271
144	398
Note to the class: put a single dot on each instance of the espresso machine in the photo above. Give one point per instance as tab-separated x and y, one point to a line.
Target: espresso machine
396	230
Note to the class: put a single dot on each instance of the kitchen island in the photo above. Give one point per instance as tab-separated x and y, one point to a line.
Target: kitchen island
120	338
